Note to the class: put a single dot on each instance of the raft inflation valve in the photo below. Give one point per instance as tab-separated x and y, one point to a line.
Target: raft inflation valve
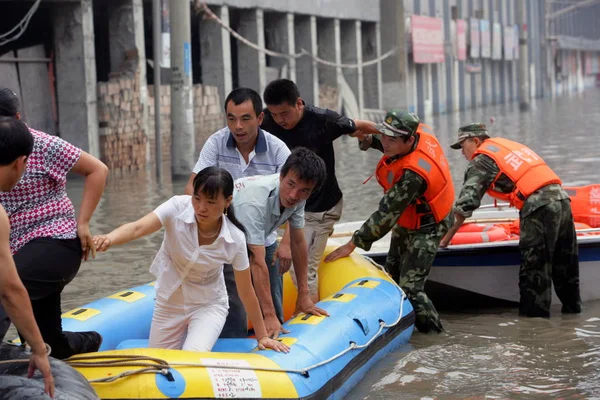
170	382
168	375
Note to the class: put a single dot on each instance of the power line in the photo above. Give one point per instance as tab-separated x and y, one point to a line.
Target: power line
22	25
203	7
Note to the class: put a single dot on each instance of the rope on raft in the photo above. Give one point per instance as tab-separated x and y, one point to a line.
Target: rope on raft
160	366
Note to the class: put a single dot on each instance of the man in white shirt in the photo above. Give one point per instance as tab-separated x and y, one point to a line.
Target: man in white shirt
262	204
243	149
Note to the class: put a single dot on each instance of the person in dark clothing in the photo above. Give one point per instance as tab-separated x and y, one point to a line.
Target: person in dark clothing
47	240
16	144
297	124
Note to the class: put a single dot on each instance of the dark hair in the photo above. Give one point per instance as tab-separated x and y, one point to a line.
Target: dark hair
281	91
212	181
307	165
406	138
15	140
242	94
9	103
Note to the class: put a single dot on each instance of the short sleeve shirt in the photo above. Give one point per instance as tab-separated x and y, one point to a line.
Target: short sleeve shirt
38	206
316	131
220	150
181	261
257	206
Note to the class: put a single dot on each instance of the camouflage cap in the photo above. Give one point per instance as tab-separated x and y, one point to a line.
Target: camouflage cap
399	123
476	129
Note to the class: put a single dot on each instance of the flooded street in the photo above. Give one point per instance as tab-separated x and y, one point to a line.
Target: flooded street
485	353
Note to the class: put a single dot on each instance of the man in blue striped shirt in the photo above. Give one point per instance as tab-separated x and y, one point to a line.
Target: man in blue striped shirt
243	149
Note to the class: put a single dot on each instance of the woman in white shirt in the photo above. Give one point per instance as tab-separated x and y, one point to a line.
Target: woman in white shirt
201	234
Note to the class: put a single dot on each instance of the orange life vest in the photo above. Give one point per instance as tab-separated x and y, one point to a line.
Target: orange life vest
585	203
521	165
429	162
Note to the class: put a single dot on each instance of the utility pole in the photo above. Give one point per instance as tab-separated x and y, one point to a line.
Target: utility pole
523	56
548	44
157	50
182	104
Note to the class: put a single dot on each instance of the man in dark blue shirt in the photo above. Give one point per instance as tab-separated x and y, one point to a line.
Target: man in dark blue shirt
297	124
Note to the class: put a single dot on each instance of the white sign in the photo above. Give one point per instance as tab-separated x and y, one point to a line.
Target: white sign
496	41
165	61
231	383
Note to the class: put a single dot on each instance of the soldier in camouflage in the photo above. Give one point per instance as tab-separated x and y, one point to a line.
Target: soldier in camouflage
411	252
548	240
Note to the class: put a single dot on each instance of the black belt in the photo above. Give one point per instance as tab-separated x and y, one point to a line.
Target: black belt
427	220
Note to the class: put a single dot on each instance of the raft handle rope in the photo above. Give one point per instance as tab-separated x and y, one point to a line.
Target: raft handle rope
162	367
376	265
24	360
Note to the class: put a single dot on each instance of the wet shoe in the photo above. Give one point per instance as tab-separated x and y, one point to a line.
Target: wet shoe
533	312
90	342
429	326
538	314
574	309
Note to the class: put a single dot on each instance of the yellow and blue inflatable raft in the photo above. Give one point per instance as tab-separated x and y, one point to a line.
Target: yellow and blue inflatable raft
369	317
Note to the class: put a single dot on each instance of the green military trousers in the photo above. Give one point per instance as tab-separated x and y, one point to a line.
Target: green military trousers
549	253
409	260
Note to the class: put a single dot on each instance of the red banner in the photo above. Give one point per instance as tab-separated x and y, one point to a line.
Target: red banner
461	39
427	39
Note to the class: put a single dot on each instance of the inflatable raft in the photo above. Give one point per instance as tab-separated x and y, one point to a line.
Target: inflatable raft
369	317
15	385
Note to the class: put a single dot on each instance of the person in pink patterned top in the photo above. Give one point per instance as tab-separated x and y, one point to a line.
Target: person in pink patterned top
47	240
16	144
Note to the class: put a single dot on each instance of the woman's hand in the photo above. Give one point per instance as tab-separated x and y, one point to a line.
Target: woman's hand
266	343
87	243
102	242
39	361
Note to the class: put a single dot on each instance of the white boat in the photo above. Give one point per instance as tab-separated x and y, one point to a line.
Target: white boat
489	269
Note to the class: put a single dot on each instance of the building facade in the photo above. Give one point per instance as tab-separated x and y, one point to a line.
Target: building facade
84	68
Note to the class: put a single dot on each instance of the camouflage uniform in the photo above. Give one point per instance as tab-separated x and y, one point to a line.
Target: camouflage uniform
548	241
411	252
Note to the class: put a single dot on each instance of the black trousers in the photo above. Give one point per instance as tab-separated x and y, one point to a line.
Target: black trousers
46	266
236	324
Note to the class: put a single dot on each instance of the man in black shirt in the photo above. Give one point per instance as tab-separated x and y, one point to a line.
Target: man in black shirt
297	124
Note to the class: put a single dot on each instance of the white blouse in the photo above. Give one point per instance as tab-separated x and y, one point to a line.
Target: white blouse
197	269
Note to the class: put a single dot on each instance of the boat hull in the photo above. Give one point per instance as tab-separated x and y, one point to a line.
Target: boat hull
487	269
493	271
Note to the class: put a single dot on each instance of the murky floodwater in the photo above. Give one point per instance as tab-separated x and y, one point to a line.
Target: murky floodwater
486	353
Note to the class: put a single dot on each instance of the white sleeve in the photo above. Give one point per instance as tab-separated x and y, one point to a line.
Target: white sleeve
208	155
167	210
241	261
